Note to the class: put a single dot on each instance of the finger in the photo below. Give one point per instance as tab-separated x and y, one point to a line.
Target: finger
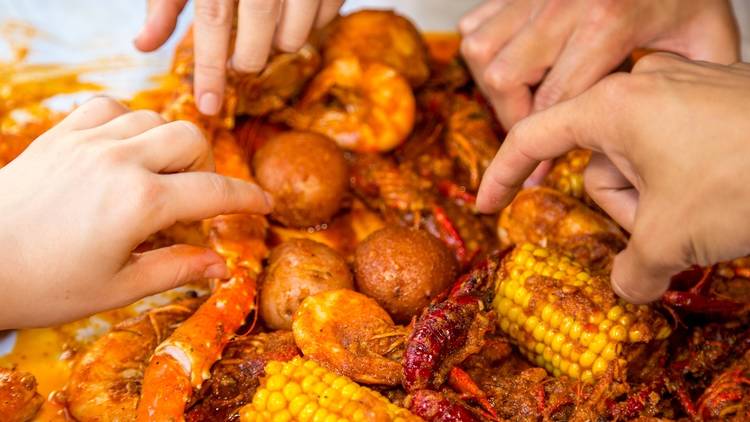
297	17
481	44
591	53
213	25
257	24
537	176
92	113
478	15
160	23
550	133
611	190
163	269
542	136
329	9
522	63
641	272
172	147
128	124
197	195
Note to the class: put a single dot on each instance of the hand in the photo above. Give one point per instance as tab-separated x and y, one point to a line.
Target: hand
670	164
261	24
76	203
566	46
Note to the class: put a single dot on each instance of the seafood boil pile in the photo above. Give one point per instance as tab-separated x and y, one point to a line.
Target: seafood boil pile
375	291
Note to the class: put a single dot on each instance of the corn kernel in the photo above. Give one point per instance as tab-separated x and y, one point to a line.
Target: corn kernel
276	382
282	416
600	365
611	351
596	317
504	305
586	337
557	342
618	333
291	390
555	320
538	348
575	331
587	376
259	399
605	325
574	370
539	333
598	343
566	349
635	334
297	404
565	325
615	313
548	337
587	359
547	312
531	323
276	401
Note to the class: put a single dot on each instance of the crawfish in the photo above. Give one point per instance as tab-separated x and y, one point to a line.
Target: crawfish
445	334
404	197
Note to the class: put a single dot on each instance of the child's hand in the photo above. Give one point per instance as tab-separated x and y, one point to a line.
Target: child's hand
261	25
77	202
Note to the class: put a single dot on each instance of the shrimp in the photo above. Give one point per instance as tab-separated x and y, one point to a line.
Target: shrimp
183	361
350	334
19	400
364	107
105	383
546	217
379	36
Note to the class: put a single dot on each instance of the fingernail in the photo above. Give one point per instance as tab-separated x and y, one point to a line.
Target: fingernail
218	270
209	103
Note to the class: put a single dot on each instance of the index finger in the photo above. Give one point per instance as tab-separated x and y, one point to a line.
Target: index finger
541	136
213	26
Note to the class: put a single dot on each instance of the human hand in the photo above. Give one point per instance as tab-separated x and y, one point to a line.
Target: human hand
671	148
76	203
261	24
564	47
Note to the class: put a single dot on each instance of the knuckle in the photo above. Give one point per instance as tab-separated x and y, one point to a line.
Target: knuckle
246	63
146	116
213	13
104	105
604	12
291	43
475	48
210	69
466	24
615	87
499	77
259	6
146	193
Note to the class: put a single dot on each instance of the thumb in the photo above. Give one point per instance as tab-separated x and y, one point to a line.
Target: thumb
163	269
641	273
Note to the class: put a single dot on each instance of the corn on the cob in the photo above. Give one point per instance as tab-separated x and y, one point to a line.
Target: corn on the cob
566	174
565	320
301	390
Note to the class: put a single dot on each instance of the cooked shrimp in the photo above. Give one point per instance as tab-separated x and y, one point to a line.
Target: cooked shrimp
365	107
546	217
19	400
350	334
379	36
105	383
